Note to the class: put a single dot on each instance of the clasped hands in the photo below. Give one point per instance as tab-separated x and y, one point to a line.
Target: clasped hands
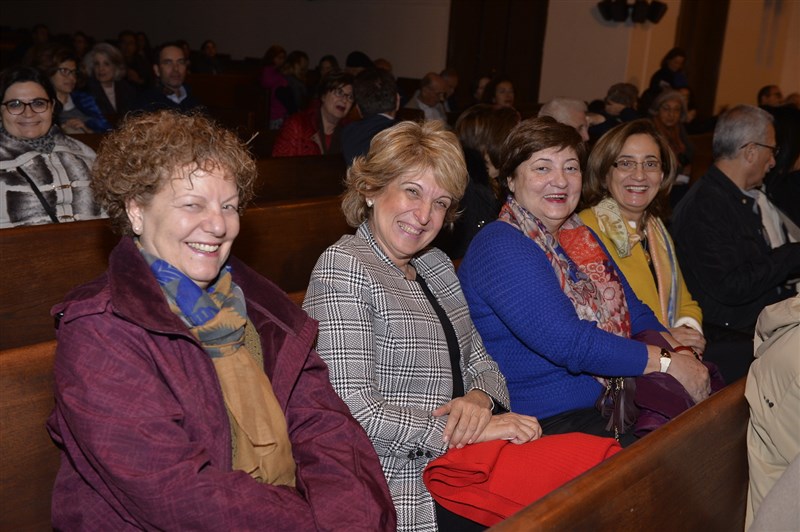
470	420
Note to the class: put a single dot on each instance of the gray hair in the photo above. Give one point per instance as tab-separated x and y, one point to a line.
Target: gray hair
113	54
738	126
558	107
665	96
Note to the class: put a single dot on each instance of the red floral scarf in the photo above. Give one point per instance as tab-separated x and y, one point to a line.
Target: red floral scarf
586	274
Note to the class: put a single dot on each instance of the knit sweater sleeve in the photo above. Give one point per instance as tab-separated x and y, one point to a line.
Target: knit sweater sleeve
510	286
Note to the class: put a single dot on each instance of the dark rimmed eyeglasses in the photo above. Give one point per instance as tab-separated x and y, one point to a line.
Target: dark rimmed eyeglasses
775	149
67	72
17	107
339	93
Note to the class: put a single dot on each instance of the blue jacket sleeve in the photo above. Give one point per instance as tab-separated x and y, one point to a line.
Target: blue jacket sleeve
88	106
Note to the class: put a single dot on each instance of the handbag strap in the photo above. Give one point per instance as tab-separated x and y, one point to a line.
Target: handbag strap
51	212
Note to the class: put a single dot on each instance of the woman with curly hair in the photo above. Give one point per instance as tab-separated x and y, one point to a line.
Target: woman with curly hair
188	394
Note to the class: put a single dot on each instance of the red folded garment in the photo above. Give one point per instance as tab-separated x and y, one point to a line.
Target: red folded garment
488	482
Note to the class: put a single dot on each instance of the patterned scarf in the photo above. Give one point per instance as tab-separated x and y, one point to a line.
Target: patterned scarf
586	275
661	250
217	317
44	144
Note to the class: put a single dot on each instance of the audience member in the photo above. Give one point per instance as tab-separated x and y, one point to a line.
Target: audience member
357	62
394	328
316	130
551	306
295	70
79	111
671	74
569	112
327	65
106	69
44	175
626	193
188	394
377	101
619	106
207	61
782	182
478	88
450	77
81	44
499	92
40	42
170	91
668	112
138	71
770	96
277	84
726	257
481	129
430	97
773	393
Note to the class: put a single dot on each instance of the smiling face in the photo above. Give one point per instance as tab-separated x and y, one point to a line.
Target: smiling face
28	125
190	223
548	184
635	190
65	83
337	103
103	68
408	214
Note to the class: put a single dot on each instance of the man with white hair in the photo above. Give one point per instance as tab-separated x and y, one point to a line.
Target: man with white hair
569	112
727	257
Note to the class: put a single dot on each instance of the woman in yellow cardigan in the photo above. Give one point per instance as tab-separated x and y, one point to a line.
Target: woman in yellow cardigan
626	188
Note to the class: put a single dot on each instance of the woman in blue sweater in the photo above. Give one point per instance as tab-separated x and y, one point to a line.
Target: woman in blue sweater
549	303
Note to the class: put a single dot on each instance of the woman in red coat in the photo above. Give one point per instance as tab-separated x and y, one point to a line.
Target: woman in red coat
315	131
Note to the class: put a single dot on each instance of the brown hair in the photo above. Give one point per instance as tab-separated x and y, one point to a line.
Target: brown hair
148	150
404	149
605	153
532	135
484	127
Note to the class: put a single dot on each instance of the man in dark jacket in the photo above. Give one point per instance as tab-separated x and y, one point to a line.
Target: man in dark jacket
170	91
377	100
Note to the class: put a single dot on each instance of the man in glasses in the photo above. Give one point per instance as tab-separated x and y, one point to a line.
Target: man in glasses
170	91
734	263
430	97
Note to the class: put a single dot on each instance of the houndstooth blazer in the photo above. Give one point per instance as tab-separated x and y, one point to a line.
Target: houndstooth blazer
388	357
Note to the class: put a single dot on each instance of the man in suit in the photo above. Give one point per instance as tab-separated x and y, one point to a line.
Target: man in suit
377	100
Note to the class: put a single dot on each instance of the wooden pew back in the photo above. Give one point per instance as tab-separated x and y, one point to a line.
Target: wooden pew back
300	177
30	460
690	474
280	240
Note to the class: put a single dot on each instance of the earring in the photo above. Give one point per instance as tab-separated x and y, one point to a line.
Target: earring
370	203
137	230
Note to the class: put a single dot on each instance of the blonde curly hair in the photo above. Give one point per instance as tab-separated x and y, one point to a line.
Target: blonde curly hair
148	150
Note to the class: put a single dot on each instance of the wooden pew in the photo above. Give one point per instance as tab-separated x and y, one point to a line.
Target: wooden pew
29	459
281	240
690	474
300	177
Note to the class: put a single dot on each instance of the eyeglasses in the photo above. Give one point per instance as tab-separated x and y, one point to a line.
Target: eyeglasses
67	72
17	107
628	166
339	93
775	149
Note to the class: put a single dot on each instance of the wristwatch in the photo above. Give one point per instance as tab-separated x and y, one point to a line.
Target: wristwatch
666	358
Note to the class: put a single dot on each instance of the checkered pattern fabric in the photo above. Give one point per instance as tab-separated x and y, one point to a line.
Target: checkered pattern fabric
388	357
